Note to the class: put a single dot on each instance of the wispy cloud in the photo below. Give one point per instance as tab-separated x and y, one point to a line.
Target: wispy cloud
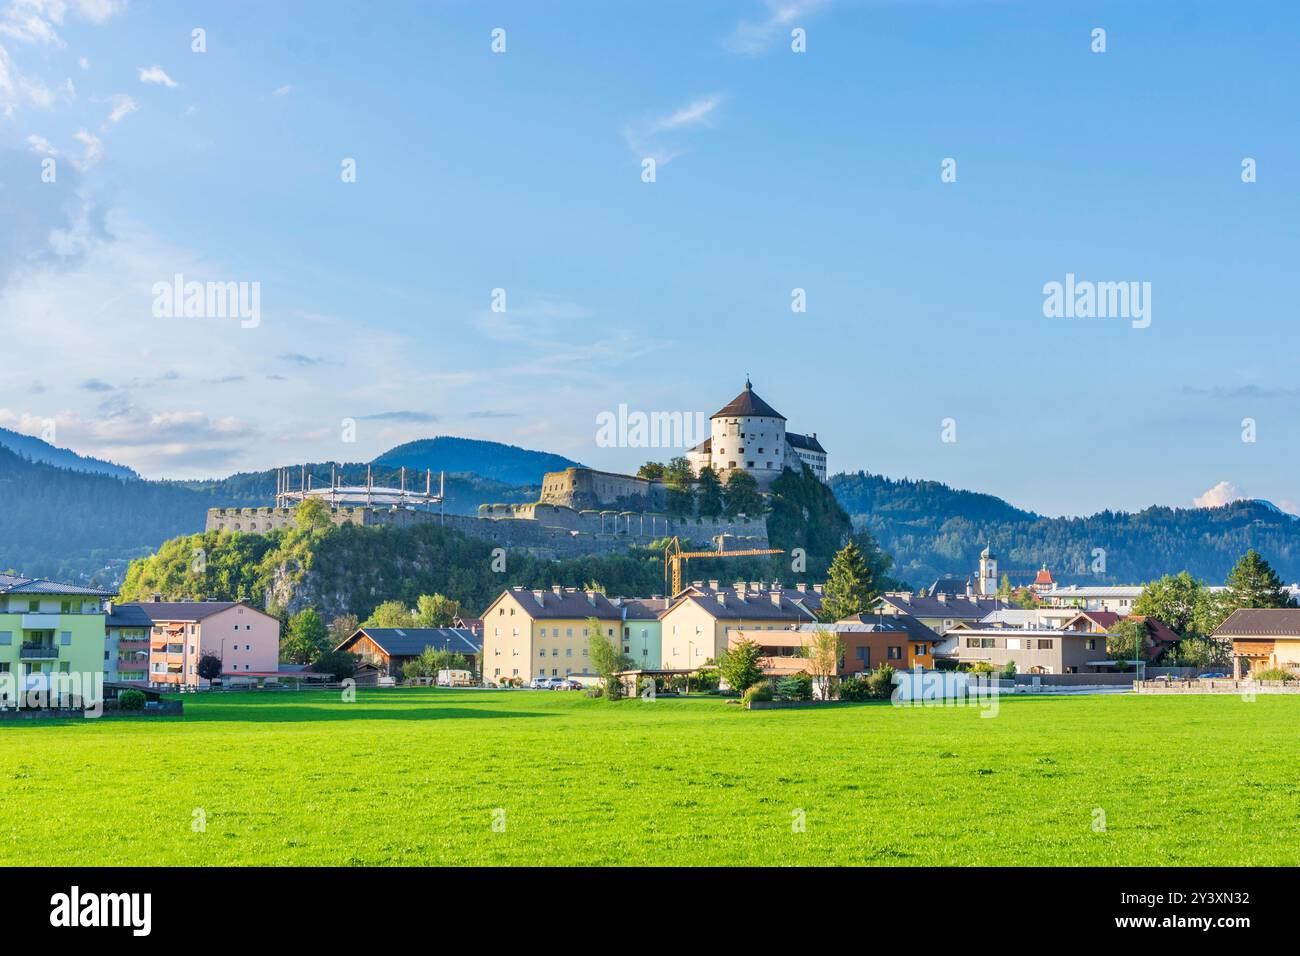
157	75
654	137
401	416
123	106
753	37
300	360
283	90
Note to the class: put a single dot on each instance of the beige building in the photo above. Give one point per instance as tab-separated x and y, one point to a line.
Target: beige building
747	434
545	633
701	620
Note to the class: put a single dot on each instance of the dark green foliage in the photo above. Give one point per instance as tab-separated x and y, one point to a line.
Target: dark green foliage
210	667
880	683
933	530
795	687
855	688
849	585
340	665
1252	582
130	700
741	665
803	513
708	494
305	638
741	495
762	691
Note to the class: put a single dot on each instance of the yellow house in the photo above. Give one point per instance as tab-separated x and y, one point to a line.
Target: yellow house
540	633
698	625
1262	639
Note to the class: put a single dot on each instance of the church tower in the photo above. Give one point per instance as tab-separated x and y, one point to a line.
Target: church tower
988	576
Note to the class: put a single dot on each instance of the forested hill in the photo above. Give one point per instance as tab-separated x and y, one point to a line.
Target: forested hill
932	530
82	527
37	450
487	459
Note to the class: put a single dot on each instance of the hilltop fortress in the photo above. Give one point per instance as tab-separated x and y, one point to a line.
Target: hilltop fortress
583	511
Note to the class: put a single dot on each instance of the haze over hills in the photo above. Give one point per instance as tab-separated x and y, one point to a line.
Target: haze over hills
38	450
83	524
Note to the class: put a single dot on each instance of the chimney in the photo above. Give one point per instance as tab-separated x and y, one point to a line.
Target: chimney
591	598
541	597
558	588
722	598
776	598
156	598
713	585
943	598
817	589
756	586
801	587
740	588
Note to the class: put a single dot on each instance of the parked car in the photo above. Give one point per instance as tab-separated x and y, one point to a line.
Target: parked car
539	683
568	684
1212	676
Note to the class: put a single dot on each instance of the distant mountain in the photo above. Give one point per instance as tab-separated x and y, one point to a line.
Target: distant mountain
42	451
82	527
934	530
487	459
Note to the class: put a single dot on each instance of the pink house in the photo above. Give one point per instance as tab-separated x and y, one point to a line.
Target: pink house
246	640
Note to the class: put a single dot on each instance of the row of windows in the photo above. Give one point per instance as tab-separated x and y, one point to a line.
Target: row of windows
1016	643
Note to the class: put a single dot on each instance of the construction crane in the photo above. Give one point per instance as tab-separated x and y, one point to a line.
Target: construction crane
675	557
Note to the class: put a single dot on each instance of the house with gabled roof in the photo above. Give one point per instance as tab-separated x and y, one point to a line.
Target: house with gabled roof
391	648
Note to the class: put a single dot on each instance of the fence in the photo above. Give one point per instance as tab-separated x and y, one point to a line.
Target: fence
1217	685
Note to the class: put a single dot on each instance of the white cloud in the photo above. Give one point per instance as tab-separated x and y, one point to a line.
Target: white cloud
41	145
123	106
648	139
93	152
1225	492
156	74
752	37
283	90
83	62
97	11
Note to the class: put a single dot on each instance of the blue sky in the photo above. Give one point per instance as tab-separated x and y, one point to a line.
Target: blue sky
522	171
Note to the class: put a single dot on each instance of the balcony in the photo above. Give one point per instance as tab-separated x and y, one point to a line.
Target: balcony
38	652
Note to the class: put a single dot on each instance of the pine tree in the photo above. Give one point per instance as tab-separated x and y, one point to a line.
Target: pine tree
708	494
1253	583
849	585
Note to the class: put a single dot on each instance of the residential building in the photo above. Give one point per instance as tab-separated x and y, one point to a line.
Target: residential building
390	648
868	641
747	434
48	628
642	632
544	633
246	640
939	612
126	640
1262	639
697	626
1034	650
1117	598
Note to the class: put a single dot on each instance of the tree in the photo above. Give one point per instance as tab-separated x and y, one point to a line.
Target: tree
341	628
1127	641
435	610
1253	583
741	496
680	497
741	665
209	666
339	665
823	652
607	658
1004	588
390	614
305	638
848	586
313	514
651	471
708	493
1173	600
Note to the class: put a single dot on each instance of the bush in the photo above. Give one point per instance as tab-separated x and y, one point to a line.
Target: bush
614	689
130	700
595	692
1274	673
981	668
856	688
880	685
795	687
706	679
1009	670
760	691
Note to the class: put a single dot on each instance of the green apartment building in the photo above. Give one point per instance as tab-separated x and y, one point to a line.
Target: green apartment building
48	628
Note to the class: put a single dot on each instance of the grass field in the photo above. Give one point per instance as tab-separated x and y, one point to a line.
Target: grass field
414	777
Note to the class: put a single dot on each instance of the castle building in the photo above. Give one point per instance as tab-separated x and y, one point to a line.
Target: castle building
747	434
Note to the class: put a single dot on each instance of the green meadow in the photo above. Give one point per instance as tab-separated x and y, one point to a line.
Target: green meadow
421	776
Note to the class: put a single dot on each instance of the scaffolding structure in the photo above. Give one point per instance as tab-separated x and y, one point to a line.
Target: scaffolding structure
370	495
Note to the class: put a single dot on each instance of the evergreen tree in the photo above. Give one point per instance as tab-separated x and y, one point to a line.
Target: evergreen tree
681	496
849	586
708	493
1253	583
305	638
742	495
